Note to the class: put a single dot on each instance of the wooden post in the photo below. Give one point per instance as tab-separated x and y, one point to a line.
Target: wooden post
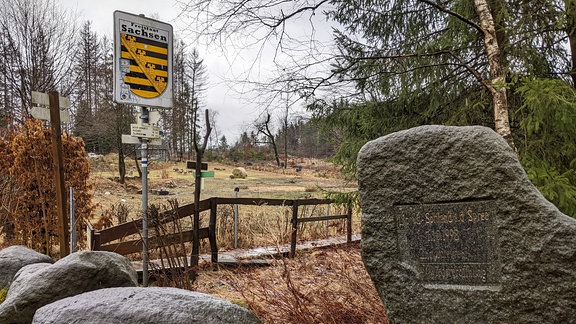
294	228
97	244
59	173
90	236
349	224
194	257
212	230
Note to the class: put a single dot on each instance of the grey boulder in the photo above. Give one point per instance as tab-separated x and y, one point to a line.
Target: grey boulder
143	306
75	274
453	231
15	257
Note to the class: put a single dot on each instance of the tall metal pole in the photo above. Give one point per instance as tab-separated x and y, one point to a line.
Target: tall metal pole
327	221
72	223
145	118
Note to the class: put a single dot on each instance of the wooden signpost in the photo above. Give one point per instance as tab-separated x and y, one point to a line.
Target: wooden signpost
53	100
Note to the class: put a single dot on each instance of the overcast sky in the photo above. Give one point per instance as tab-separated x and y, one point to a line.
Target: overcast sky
234	114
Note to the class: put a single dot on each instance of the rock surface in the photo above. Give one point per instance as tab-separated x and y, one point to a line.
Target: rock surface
15	257
239	173
75	274
143	306
453	231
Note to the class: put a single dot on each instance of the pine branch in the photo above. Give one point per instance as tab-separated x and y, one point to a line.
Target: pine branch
454	14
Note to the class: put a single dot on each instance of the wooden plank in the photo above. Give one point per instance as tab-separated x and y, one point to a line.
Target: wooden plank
133	227
320	218
58	165
191	165
254	201
313	201
119	231
271	202
135	246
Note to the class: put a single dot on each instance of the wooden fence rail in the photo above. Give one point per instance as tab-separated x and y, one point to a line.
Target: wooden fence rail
104	240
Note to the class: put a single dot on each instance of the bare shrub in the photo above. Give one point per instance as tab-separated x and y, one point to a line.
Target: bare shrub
26	157
172	268
328	285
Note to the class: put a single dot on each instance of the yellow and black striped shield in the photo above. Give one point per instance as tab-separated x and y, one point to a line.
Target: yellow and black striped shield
148	74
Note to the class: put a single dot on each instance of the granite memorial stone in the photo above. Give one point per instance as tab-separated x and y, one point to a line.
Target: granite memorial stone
453	231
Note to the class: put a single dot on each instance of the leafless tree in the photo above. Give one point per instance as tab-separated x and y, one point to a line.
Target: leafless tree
37	49
189	86
263	127
359	64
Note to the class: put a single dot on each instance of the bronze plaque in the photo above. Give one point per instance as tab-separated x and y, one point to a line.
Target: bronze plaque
450	243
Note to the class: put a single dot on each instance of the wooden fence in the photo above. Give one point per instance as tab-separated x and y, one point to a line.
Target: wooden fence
104	240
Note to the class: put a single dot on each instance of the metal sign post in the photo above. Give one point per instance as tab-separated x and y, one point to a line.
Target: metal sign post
144	141
143	76
73	245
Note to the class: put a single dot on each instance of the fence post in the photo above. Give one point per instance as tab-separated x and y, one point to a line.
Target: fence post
236	190
349	224
93	238
96	241
294	228
212	230
327	221
90	236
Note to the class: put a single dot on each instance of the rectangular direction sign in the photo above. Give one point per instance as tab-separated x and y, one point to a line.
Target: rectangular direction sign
43	99
144	131
205	174
142	61
127	139
192	165
44	114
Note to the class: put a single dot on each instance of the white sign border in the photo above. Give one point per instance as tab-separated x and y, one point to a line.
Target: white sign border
165	100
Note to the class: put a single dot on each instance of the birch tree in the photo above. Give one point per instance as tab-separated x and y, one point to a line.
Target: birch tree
453	61
497	83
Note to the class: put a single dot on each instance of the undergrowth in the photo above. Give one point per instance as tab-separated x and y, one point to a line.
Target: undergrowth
328	285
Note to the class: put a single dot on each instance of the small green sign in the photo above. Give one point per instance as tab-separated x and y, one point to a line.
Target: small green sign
204	174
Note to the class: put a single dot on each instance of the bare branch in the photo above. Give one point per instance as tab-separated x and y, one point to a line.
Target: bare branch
454	14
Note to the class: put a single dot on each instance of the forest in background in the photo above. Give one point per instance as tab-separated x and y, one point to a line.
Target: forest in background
504	64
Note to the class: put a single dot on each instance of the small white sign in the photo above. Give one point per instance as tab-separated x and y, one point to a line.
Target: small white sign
43	99
128	139
44	114
145	131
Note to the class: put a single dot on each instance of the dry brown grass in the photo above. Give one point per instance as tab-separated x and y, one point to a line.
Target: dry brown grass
328	285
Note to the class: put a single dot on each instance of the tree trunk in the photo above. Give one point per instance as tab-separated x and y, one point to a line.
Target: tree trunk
497	83
121	164
269	134
571	32
137	165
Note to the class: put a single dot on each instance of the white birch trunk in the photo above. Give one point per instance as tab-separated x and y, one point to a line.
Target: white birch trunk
497	83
